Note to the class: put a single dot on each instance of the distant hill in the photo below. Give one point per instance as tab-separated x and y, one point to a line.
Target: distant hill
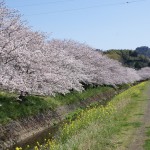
129	58
143	50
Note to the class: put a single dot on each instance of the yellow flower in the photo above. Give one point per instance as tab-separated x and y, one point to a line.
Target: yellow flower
36	148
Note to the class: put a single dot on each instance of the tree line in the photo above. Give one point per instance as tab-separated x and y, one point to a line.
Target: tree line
129	58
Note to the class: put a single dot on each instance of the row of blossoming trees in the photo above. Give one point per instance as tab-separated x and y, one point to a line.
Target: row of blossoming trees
29	62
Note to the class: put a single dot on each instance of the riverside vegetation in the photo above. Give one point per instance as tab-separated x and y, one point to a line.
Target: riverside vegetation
37	104
102	127
38	113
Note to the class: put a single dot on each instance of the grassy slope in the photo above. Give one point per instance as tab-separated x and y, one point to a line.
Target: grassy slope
109	127
147	126
10	109
147	142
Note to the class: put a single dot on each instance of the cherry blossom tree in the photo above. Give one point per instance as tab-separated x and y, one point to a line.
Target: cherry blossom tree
29	62
99	68
18	49
144	73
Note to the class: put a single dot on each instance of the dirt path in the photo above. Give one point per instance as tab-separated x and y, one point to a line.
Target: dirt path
139	136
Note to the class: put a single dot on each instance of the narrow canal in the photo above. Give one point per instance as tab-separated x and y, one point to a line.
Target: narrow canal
40	137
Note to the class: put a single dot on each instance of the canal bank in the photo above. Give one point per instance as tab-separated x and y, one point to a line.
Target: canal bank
19	131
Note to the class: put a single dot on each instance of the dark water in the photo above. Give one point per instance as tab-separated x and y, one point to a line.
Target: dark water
39	137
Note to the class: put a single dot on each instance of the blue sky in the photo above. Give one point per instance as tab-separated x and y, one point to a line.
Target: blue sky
102	24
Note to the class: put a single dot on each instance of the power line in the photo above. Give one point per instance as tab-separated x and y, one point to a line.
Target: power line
134	1
46	3
89	7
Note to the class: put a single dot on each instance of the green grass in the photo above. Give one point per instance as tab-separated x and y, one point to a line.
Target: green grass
75	96
10	109
109	127
133	124
147	142
148	131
